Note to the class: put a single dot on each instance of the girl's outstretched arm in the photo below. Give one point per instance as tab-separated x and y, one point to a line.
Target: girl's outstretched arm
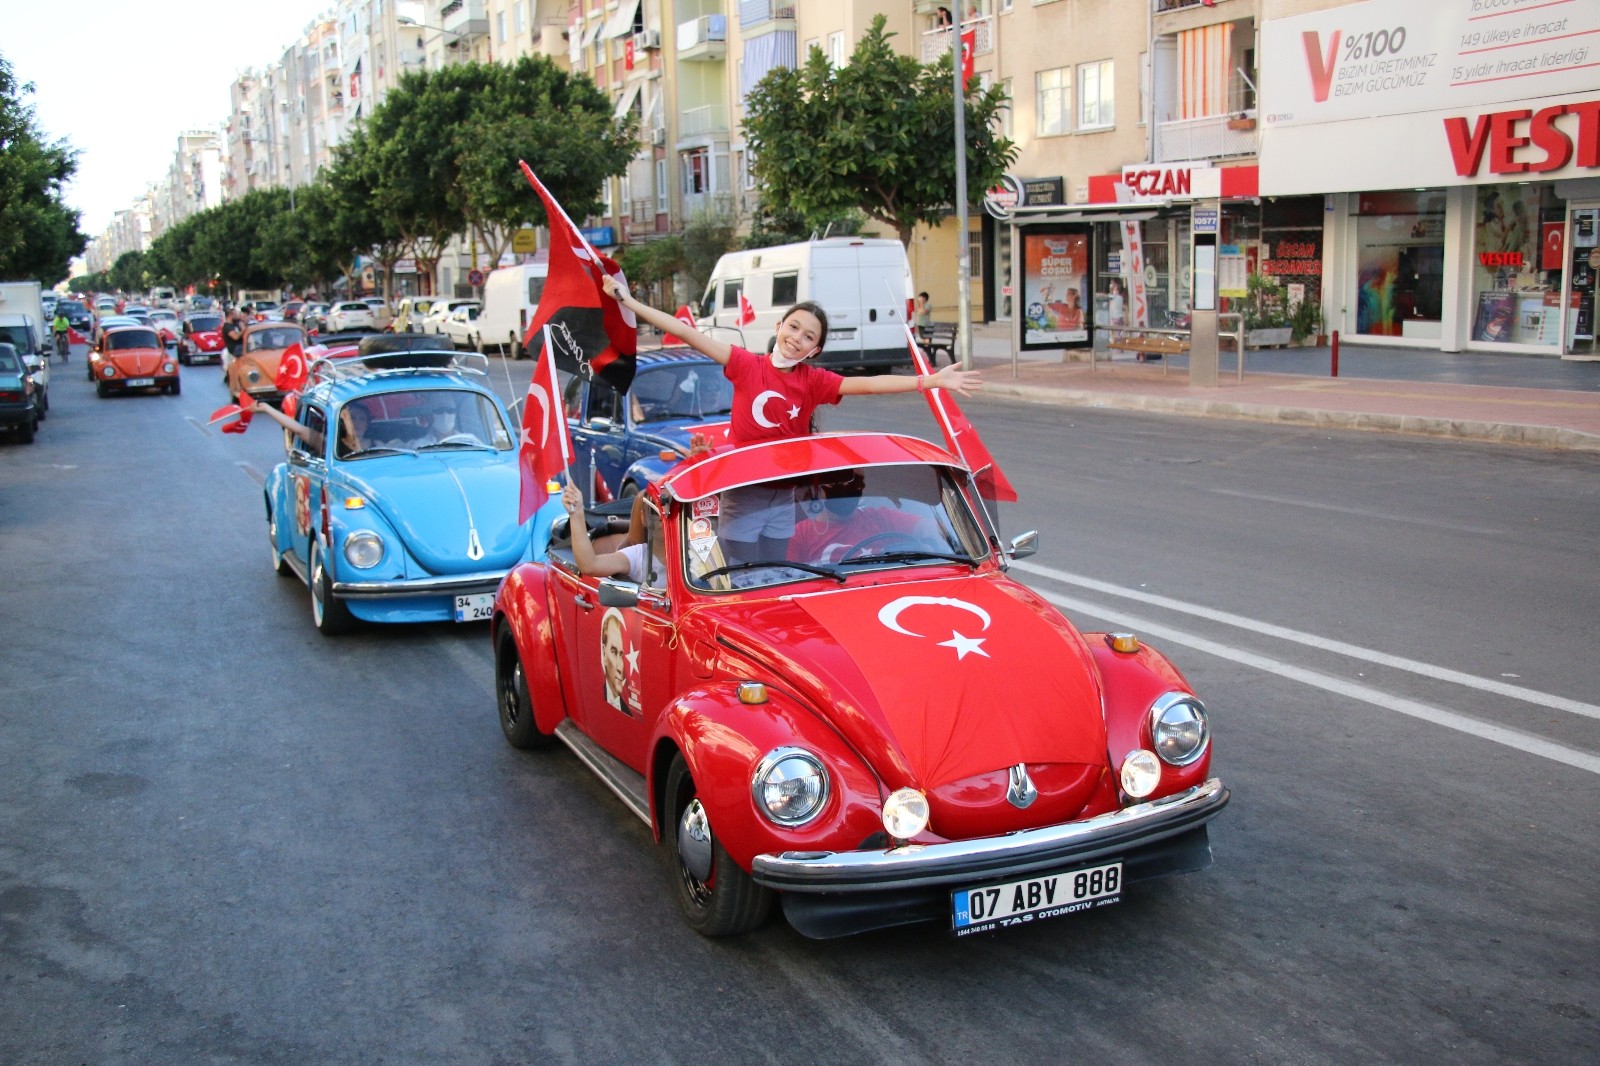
720	351
950	377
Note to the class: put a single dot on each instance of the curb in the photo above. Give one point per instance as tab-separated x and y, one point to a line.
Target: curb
1548	437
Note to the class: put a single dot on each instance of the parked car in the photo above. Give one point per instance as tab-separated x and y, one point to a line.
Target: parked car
410	312
877	728
461	325
434	320
292	310
255	371
132	357
350	314
313	316
396	517
19	403
676	394
201	339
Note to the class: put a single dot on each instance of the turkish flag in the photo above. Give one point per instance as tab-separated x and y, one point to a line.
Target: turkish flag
593	336
686	316
231	411
961	437
75	337
969	45
747	310
546	449
292	370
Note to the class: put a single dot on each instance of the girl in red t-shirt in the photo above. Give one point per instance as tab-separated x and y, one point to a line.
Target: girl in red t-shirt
775	395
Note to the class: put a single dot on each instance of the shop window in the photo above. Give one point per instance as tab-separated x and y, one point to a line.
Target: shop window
1400	263
1516	285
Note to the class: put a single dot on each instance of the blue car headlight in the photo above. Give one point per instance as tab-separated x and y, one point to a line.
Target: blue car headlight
363	549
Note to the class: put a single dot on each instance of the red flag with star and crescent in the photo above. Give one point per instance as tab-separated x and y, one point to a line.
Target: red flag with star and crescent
960	436
546	449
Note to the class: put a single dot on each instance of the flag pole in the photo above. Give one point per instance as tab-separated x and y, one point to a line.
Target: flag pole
963	350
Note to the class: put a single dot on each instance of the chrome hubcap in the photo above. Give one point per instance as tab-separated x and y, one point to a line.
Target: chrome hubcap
694	844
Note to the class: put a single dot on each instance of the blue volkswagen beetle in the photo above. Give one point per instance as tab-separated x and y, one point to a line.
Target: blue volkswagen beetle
635	438
406	511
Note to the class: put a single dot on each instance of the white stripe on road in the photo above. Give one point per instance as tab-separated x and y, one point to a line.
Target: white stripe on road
1510	738
1437	673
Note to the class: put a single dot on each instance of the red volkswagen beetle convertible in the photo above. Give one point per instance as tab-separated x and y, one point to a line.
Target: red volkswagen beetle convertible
874	725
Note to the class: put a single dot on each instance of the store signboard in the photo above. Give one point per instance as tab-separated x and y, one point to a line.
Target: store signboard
1395	93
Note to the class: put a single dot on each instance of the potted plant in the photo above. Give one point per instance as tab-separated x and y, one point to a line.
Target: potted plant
1306	324
1266	313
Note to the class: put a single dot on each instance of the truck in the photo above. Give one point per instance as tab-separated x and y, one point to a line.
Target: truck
863	283
510	298
22	315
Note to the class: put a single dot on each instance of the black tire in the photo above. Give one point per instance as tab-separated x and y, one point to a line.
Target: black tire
328	612
44	405
102	389
176	388
26	430
512	698
629	490
280	565
716	897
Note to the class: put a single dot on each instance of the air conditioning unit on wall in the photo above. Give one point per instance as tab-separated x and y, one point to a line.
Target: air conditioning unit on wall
658	136
646	39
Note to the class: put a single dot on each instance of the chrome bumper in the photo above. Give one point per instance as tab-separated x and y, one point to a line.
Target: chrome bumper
455	585
1120	832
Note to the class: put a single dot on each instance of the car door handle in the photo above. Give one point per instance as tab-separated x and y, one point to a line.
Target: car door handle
582	600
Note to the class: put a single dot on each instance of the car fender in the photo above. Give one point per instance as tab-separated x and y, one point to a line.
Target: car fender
1131	682
523	603
723	741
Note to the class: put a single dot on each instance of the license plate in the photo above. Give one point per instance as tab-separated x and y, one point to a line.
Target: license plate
976	910
479	608
134	383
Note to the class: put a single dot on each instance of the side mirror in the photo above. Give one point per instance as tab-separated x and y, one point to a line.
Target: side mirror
1024	544
614	593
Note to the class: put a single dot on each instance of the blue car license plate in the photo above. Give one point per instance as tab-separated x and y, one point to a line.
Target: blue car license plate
976	910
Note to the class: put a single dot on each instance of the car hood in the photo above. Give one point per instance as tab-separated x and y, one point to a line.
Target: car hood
436	500
941	684
207	338
135	362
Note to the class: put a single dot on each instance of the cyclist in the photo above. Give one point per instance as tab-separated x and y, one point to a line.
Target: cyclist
61	328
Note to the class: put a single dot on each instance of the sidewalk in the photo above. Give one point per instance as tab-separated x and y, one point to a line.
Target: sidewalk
1541	401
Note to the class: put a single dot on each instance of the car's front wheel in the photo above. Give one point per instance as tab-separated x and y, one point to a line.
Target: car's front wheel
328	611
280	565
511	693
717	898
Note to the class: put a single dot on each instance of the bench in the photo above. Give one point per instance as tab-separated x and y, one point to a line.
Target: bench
939	337
1148	343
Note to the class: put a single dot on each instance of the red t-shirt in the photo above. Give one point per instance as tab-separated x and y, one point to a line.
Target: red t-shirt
771	404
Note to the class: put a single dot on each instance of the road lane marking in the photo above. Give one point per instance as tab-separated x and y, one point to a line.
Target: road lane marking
1437	673
1502	735
255	475
197	424
1383	516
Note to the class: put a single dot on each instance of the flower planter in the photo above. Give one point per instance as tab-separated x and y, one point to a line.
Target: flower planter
1241	123
1271	337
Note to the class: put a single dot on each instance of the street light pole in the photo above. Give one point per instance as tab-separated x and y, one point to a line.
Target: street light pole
963	281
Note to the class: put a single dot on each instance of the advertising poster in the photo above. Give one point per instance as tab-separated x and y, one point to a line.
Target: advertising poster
1496	313
1055	289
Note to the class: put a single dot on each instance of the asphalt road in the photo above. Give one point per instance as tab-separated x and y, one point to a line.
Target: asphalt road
225	838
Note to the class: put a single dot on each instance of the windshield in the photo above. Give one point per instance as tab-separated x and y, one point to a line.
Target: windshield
18	336
433	420
833	524
9	364
122	340
278	337
69	307
205	323
693	391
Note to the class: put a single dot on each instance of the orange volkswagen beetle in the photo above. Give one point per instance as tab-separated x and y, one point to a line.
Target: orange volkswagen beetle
256	368
132	357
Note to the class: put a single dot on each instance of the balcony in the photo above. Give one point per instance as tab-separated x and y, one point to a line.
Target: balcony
936	43
704	39
757	17
1211	137
708	121
464	18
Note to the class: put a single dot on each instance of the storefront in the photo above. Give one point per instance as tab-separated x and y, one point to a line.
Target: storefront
1461	212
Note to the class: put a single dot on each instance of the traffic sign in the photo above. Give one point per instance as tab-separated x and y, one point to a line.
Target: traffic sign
475	278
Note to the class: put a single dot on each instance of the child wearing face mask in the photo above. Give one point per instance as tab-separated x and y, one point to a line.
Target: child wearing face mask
775	395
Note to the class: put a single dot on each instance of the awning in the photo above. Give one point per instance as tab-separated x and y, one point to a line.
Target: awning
1139	212
626	101
588	37
621	24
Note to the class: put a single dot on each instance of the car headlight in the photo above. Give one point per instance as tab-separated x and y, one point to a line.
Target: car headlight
1178	728
905	813
168	368
108	371
253	376
790	786
1141	773
363	549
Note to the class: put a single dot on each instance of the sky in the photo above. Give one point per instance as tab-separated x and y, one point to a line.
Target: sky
120	79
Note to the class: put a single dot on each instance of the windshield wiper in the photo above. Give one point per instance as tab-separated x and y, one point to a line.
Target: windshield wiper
459	444
904	556
824	571
379	449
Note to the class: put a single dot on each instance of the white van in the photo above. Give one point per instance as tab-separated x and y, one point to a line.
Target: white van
863	283
510	297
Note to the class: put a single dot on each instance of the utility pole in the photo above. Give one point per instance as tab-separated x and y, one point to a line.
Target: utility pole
963	281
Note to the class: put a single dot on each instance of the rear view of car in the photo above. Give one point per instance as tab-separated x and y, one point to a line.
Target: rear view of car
349	315
19	411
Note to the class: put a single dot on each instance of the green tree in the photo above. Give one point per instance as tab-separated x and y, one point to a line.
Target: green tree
877	135
561	125
358	223
706	238
128	273
38	233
